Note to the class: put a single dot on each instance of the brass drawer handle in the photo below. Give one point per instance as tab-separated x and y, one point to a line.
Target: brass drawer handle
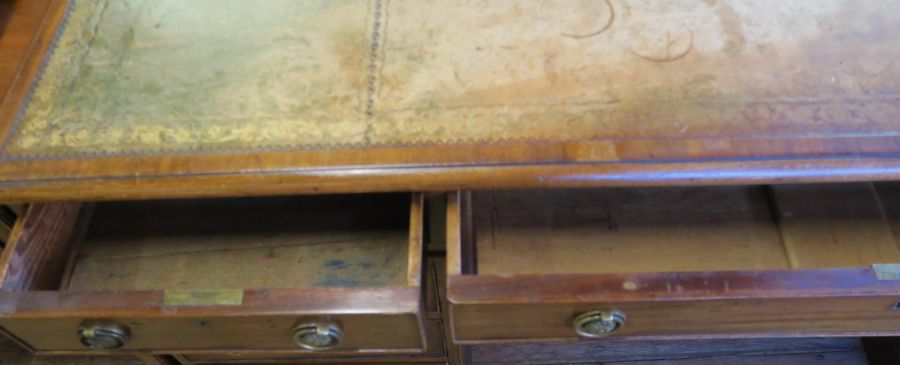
596	324
103	335
317	336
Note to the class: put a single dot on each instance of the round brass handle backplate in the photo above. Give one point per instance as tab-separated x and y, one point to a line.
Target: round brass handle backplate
596	324
317	336
97	335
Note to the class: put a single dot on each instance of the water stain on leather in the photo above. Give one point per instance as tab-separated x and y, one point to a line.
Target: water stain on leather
349	45
732	26
128	38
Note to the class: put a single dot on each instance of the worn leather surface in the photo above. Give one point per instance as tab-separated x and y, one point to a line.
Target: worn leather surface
163	76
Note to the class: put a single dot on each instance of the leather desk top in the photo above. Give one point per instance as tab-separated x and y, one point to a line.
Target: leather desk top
141	98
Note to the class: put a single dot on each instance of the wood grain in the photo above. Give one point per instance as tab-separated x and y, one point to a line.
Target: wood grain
230	177
834	226
20	20
456	355
752	351
680	229
455	233
760	316
86	360
284	242
36	256
48	321
625	230
438	349
435	353
843	358
415	241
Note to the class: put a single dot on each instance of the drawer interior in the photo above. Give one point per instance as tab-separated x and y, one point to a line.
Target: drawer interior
247	243
682	229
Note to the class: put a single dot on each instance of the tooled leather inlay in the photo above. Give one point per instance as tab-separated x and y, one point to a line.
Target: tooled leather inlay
168	76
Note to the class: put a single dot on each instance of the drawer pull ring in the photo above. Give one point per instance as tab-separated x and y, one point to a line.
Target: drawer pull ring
103	335
596	324
317	336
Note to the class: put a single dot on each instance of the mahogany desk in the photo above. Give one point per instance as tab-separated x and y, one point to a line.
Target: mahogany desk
633	169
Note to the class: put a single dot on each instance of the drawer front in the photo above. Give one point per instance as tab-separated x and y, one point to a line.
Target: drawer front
435	352
360	333
54	322
863	316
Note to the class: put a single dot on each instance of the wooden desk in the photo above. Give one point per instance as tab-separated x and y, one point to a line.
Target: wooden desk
133	100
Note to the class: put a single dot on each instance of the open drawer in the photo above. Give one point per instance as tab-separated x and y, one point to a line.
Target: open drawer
737	261
317	274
